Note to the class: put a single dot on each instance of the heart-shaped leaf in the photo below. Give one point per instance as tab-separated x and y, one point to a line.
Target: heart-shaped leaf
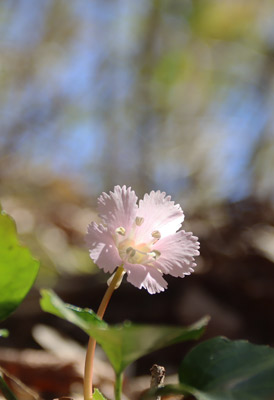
123	343
18	269
220	369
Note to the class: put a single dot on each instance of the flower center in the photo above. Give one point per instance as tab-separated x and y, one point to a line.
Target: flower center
136	253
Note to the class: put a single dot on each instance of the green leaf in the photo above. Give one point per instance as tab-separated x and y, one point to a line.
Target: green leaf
84	318
98	395
123	343
18	269
4	333
220	369
7	393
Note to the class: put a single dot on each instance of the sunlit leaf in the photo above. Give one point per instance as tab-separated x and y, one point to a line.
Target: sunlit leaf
18	269
220	369
97	395
4	333
85	318
123	343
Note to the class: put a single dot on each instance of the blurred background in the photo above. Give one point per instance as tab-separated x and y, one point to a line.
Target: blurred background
173	95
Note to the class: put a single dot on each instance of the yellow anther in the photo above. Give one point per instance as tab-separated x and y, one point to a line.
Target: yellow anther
131	251
156	234
139	221
155	254
120	231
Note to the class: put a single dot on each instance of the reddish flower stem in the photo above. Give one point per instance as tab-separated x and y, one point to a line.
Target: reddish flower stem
92	342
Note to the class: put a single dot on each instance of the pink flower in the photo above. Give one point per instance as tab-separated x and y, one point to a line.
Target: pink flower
144	238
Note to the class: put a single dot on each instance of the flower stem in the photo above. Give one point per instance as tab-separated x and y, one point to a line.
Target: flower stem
118	386
92	342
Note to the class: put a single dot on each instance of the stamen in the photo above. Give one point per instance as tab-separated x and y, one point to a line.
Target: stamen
155	254
156	234
139	221
131	251
121	231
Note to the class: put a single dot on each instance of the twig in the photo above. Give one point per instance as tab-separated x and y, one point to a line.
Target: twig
157	377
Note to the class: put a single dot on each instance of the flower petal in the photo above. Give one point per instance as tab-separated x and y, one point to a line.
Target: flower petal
146	277
177	253
160	214
118	208
102	248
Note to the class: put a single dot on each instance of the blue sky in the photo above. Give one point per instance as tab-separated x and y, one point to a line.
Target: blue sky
93	76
